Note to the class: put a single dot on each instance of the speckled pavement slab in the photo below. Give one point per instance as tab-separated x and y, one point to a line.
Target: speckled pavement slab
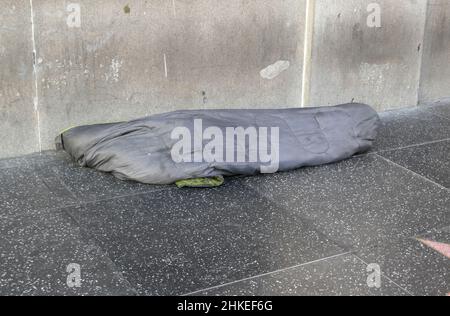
36	249
175	242
358	201
25	188
313	231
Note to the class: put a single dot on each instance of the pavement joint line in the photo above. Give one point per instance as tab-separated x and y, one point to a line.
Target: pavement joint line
124	196
430	110
386	277
103	253
80	203
310	223
411	146
369	246
413	173
425	232
65	186
269	273
441	116
117	197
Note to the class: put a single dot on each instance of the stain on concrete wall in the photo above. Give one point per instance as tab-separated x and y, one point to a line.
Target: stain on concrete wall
17	115
435	80
273	71
355	60
131	59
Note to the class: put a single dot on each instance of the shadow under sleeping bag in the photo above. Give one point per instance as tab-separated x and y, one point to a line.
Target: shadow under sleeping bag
166	148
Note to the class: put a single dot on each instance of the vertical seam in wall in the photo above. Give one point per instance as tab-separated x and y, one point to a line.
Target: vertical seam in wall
174	8
419	88
36	91
307	51
166	74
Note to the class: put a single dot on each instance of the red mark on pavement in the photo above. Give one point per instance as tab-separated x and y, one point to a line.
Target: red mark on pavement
443	249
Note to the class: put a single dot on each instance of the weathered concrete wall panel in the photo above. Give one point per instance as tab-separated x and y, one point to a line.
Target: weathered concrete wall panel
376	65
17	116
435	81
126	61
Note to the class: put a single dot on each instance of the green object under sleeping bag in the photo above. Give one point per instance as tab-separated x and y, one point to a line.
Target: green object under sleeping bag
201	182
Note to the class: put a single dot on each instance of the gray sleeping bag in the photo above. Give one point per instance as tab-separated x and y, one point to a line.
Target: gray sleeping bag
166	148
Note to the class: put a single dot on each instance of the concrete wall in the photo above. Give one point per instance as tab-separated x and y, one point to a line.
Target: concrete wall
125	59
18	121
435	82
353	60
135	58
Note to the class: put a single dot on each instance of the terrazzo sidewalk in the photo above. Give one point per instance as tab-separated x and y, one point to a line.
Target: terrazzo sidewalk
314	231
